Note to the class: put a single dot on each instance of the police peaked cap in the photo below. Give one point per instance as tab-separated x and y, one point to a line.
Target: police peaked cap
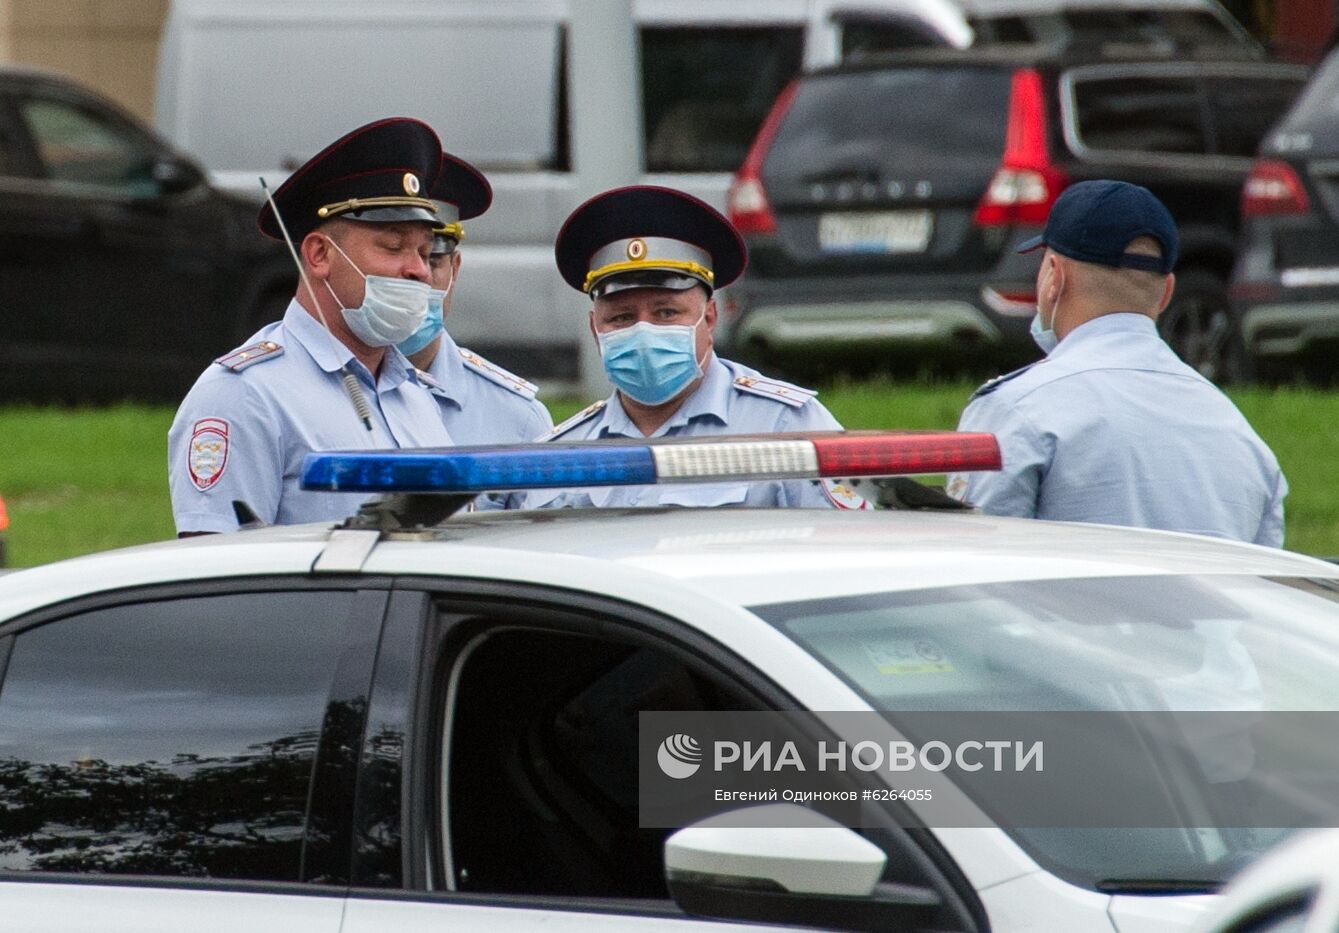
379	173
461	192
646	236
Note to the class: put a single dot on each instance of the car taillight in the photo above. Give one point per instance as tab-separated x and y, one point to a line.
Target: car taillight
1027	183
1273	188
747	201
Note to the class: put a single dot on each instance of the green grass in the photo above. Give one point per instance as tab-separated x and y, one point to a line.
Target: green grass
81	480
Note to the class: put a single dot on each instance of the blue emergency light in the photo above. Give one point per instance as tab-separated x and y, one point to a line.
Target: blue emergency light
823	455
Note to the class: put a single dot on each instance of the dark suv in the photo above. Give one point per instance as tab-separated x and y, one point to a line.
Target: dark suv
1285	287
122	272
882	201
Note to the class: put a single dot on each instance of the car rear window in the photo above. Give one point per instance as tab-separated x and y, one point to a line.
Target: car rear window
892	122
1179	28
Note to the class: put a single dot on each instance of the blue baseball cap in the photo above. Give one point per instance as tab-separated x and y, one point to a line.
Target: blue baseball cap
1093	221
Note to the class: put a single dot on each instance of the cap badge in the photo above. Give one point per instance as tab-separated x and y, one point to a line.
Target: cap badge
637	250
411	185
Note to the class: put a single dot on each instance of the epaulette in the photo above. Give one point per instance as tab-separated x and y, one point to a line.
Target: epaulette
993	384
558	430
494	373
783	392
243	357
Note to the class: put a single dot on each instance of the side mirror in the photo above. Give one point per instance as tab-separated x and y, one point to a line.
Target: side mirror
783	863
173	174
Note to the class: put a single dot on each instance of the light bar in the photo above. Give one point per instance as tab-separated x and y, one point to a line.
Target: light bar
823	455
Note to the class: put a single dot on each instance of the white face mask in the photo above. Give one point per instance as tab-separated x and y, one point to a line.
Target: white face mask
392	309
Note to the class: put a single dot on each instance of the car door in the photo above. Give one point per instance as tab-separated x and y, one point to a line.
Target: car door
127	260
174	759
500	777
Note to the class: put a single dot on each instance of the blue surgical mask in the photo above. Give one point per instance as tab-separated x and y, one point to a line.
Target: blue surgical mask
436	320
1044	336
392	309
651	363
432	327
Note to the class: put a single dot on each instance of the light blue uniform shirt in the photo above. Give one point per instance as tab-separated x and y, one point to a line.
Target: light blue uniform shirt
482	403
1113	428
244	427
731	399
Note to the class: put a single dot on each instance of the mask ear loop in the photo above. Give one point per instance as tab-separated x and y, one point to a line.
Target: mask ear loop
330	288
446	292
1055	305
700	362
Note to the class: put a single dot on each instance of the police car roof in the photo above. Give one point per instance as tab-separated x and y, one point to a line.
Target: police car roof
741	557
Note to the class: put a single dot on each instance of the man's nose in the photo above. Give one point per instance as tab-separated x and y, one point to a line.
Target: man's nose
416	267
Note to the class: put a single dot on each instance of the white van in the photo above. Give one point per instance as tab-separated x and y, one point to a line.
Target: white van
255	87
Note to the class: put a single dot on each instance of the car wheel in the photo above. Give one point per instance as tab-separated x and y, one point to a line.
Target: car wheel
1199	325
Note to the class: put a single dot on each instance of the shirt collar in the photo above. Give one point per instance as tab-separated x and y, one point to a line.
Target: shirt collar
330	354
1124	322
710	400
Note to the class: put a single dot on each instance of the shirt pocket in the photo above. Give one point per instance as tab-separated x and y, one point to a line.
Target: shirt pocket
705	495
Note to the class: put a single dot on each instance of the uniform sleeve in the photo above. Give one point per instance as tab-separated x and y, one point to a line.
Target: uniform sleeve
1271	526
1025	454
224	444
541	420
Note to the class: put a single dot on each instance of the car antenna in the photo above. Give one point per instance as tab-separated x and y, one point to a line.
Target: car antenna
349	380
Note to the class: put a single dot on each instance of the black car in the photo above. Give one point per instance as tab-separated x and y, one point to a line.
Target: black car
882	201
122	272
1285	287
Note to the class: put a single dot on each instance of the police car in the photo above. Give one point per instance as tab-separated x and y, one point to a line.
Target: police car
426	722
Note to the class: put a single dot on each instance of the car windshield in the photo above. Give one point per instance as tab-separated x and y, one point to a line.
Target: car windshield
1111	644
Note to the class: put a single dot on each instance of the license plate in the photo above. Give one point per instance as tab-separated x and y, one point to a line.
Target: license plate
875	232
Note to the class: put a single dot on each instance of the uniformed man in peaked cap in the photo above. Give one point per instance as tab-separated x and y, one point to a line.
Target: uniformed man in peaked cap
651	260
362	222
480	402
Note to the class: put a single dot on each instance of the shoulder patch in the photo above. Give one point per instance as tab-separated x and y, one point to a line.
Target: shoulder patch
558	430
842	496
243	357
207	457
778	391
993	384
494	373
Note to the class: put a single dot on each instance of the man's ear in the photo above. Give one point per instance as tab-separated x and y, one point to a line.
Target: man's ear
1166	293
316	254
709	315
591	322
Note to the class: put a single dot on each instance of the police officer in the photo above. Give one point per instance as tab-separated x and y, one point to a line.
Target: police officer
480	402
651	260
1111	426
360	218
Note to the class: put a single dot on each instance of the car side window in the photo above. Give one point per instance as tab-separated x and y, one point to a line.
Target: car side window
79	148
1159	115
540	741
705	92
173	738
